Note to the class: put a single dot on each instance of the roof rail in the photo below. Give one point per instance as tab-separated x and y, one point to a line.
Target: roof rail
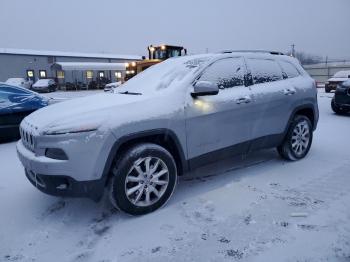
252	51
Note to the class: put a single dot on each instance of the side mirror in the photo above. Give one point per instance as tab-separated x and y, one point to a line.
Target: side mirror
204	88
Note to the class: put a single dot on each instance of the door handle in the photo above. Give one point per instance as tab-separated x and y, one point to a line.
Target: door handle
243	100
289	91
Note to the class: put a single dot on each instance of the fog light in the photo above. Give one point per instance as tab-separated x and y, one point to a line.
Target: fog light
56	153
62	187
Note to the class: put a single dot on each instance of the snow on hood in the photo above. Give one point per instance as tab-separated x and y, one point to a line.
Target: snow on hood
92	109
42	83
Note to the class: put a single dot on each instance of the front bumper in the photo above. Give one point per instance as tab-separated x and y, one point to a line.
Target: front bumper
330	87
40	89
81	175
66	186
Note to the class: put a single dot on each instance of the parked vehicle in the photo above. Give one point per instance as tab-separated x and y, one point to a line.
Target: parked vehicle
22	82
74	86
45	85
15	104
112	86
337	79
341	100
173	117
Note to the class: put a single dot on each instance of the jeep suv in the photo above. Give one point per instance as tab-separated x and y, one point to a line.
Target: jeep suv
171	118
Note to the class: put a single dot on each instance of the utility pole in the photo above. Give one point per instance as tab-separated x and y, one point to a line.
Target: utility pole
293	50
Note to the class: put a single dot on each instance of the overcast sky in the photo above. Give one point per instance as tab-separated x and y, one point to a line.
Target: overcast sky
126	27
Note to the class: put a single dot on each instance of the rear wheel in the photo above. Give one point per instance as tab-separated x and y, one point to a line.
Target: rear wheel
298	140
144	179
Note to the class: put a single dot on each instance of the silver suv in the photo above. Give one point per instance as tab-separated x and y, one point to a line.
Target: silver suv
172	118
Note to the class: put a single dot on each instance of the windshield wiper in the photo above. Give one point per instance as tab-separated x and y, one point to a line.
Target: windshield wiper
130	93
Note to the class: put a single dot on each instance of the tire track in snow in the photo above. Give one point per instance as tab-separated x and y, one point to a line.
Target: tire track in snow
264	224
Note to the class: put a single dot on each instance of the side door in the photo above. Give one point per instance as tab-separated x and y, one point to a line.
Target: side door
21	103
220	124
297	83
272	95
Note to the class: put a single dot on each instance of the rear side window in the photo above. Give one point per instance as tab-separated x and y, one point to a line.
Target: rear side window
264	70
226	73
289	69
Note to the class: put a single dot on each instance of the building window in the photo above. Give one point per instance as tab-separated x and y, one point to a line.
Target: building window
118	75
89	74
101	74
42	74
60	74
30	73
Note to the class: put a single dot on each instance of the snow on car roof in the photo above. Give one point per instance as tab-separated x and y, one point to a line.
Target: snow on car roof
66	54
342	74
15	78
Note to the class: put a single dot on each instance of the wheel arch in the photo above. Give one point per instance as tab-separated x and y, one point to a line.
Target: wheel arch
163	137
305	110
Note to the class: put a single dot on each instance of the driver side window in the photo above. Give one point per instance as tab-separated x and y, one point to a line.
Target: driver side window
226	73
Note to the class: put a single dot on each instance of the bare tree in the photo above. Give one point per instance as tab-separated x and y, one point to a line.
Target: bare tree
308	59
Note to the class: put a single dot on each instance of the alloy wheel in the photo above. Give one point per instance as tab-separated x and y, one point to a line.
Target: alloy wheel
146	181
300	138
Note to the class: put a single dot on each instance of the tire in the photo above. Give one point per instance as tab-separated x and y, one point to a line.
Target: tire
130	175
336	109
298	140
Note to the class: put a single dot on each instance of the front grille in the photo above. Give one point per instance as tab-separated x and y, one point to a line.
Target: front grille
28	139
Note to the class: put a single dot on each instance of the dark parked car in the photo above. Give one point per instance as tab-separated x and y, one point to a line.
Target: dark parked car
45	85
341	99
15	104
337	79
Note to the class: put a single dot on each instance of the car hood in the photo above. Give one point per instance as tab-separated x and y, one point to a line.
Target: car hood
86	110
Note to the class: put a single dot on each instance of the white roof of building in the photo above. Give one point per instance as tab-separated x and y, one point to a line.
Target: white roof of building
66	54
81	66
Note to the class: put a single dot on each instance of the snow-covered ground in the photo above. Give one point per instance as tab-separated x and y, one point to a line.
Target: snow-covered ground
253	208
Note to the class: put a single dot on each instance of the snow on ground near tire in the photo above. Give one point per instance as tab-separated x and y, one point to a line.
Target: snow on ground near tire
253	208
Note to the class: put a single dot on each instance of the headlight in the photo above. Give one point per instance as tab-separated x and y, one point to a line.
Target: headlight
71	130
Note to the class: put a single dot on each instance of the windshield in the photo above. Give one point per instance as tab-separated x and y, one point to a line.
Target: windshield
43	81
164	75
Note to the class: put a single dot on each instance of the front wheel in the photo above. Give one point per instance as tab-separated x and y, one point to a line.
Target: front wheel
144	179
298	140
336	109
